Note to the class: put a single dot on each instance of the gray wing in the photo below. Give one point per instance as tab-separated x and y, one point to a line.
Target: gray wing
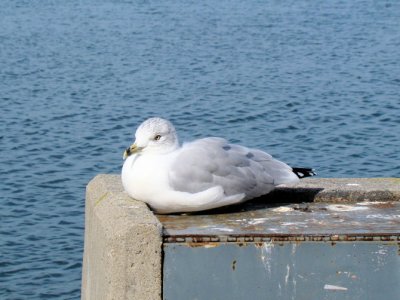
209	162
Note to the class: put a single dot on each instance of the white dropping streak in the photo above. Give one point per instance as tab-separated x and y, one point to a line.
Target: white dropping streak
334	287
283	209
287	274
266	255
343	207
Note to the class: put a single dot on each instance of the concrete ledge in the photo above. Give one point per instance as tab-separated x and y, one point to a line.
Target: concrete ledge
337	190
122	252
123	238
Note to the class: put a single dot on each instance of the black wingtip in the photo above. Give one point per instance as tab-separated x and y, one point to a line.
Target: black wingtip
303	172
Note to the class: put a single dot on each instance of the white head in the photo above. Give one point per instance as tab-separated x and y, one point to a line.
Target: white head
155	135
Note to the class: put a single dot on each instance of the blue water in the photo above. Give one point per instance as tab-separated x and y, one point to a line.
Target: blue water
315	83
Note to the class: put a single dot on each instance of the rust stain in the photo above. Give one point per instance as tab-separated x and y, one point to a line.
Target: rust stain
203	244
383	205
258	240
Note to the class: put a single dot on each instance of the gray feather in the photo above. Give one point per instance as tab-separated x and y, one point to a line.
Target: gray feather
210	162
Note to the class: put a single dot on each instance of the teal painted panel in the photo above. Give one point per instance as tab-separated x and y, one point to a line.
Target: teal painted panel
270	270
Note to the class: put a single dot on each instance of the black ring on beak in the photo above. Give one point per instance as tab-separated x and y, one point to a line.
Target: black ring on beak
128	151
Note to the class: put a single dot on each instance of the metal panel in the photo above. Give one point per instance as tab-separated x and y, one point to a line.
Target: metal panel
284	251
271	270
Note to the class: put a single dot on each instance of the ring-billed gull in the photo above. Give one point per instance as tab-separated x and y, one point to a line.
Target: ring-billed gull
200	175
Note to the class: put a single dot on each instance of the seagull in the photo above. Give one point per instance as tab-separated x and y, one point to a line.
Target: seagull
200	175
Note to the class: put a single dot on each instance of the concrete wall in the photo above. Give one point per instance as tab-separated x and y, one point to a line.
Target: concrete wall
123	239
122	252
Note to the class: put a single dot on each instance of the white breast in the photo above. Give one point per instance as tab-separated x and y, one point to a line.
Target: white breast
141	172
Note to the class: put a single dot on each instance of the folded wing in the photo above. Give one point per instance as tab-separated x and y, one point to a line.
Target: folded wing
211	162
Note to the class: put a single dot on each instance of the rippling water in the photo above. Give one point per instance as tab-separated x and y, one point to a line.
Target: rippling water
315	83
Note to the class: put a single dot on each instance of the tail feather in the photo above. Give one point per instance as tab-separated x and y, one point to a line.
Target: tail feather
303	172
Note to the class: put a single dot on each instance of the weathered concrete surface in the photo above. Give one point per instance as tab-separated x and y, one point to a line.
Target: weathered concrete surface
339	190
122	252
259	222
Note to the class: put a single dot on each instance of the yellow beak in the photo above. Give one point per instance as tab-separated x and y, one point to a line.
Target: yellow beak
131	150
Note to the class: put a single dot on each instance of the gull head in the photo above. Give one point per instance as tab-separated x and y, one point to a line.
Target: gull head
155	135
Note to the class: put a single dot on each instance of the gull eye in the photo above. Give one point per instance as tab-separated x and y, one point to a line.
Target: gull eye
157	137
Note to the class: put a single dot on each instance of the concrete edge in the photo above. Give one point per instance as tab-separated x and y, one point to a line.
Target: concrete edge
339	190
122	250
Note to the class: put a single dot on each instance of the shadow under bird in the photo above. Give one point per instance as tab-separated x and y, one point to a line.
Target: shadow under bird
200	175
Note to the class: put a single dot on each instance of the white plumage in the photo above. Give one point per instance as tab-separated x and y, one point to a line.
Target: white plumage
204	174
